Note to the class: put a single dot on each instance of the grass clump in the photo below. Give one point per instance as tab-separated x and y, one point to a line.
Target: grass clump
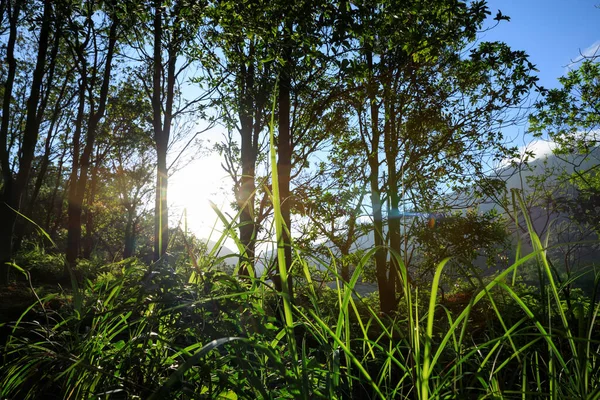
134	334
194	331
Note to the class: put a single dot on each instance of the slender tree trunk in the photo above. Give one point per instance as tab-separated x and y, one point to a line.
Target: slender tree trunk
14	191
48	142
77	193
391	153
247	217
73	227
41	175
345	270
130	234
22	227
161	137
6	214
162	123
246	191
351	238
161	165
387	295
161	225
88	242
59	205
162	126
284	160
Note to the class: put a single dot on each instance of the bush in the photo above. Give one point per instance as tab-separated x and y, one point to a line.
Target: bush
44	267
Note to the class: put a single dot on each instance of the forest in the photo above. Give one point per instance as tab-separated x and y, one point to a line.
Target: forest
386	239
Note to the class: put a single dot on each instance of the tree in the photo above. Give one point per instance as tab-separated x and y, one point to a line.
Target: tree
243	77
294	53
62	99
570	116
13	187
332	202
462	236
174	27
332	215
428	114
94	65
132	164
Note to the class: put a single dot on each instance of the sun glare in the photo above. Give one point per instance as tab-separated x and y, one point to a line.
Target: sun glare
193	188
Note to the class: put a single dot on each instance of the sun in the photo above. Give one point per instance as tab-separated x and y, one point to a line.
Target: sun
193	188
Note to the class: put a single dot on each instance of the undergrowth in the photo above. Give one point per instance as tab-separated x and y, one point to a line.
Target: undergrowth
139	333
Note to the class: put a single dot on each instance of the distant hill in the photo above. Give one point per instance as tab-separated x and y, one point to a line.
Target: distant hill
518	176
229	256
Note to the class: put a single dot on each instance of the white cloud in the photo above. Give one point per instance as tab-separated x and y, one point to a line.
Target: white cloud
593	50
541	148
590	51
538	147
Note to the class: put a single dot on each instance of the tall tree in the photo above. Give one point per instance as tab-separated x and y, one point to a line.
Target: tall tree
94	65
13	187
130	162
431	114
243	74
256	53
308	98
174	27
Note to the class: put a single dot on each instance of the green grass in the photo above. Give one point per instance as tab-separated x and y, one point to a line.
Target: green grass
166	336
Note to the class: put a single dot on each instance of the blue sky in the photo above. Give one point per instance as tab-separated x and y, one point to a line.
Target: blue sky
552	32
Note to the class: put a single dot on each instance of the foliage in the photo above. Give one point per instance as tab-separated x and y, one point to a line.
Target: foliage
569	114
43	266
570	117
429	102
464	237
569	192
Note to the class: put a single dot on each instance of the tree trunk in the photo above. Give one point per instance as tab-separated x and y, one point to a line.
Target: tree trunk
246	191
73	226
6	214
162	131
52	131
58	211
161	221
345	271
77	193
22	226
387	295
284	160
394	217
130	234
246	202
88	242
13	191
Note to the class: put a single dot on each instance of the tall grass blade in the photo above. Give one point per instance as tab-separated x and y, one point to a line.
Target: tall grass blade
177	376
